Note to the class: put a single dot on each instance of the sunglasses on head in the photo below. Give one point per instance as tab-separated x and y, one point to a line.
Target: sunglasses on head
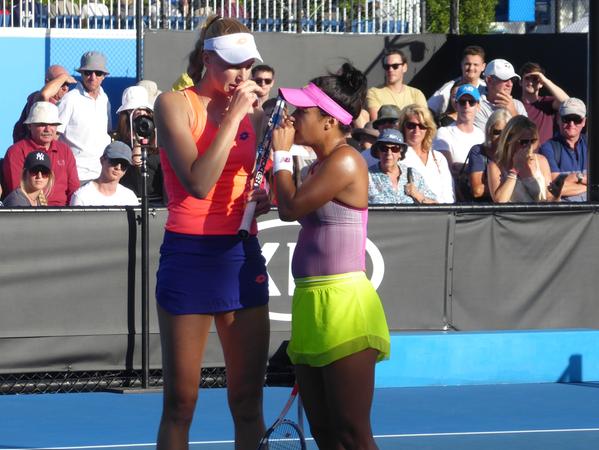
527	142
124	164
572	118
88	73
467	101
43	170
414	125
261	81
393	66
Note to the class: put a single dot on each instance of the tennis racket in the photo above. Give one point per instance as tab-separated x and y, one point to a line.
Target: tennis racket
284	434
262	154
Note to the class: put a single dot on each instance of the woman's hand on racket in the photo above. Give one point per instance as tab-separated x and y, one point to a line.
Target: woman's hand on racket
283	135
243	99
260	196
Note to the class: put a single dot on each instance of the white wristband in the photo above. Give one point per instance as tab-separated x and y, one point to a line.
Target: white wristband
282	160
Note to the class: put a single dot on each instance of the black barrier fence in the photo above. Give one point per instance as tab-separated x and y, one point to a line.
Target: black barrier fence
70	296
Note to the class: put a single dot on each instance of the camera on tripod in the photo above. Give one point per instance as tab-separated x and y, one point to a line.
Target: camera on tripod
143	126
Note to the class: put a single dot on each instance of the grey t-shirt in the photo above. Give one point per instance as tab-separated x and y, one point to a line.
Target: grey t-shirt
16	198
487	108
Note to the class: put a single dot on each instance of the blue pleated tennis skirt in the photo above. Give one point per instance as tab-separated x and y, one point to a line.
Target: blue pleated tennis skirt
210	274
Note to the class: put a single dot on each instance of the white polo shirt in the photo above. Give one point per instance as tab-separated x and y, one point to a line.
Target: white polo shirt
85	124
436	173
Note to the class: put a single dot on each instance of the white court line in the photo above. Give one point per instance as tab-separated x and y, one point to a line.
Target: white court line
378	436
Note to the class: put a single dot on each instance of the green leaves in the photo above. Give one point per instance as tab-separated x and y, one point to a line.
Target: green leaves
475	16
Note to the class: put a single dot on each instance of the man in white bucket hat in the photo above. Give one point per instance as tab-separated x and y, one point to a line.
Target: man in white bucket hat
85	116
42	122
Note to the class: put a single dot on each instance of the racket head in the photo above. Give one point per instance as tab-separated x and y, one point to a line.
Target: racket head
285	434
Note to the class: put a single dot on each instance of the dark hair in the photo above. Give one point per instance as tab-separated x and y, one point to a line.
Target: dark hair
213	27
262	68
529	67
347	87
394	51
476	50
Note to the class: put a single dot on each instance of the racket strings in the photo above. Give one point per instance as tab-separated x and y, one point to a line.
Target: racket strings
284	436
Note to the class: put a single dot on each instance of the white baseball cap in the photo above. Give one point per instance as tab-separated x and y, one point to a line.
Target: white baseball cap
501	69
234	48
135	97
43	112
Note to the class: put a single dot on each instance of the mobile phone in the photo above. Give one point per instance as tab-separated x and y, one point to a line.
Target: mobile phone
410	175
556	186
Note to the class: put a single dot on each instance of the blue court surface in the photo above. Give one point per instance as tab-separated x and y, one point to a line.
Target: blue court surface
493	417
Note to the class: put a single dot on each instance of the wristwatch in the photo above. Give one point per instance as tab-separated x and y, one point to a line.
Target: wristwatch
579	177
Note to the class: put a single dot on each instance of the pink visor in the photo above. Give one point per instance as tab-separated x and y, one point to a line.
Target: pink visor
311	95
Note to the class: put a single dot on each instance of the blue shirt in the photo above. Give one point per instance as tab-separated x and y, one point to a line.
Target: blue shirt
381	191
477	160
570	160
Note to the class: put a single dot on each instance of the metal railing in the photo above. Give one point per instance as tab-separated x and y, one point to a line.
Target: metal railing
289	16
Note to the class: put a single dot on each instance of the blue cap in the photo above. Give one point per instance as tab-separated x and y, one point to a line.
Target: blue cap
468	89
389	136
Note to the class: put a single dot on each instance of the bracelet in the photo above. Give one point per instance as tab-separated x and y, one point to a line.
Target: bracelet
512	176
282	160
513	171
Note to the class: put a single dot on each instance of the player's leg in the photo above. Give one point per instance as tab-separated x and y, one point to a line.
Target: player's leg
314	398
349	387
244	335
183	339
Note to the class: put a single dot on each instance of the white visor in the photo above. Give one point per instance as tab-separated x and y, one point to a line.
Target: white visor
234	48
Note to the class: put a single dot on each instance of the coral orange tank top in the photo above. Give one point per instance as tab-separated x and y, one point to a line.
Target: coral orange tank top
221	211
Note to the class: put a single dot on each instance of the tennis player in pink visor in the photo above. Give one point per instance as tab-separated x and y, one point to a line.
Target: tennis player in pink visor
338	328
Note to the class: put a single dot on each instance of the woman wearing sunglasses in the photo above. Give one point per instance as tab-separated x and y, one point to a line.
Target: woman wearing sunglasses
391	182
418	127
338	328
518	173
37	180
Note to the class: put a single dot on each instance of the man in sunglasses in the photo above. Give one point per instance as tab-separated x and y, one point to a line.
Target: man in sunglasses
106	189
42	122
263	76
567	152
56	86
394	91
542	110
456	140
85	116
500	77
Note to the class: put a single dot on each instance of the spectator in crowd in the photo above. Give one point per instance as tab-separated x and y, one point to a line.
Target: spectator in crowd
499	76
152	89
541	109
263	76
386	117
480	155
567	152
42	122
85	116
473	64
106	189
394	91
36	182
366	137
456	140
418	127
136	104
56	86
391	182
519	174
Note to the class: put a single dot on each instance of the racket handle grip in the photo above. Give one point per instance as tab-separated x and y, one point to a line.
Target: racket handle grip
246	221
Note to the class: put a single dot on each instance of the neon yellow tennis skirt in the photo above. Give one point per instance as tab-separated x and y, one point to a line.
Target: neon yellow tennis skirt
335	316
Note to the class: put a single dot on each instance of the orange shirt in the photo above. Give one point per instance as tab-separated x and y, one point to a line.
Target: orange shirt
221	211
